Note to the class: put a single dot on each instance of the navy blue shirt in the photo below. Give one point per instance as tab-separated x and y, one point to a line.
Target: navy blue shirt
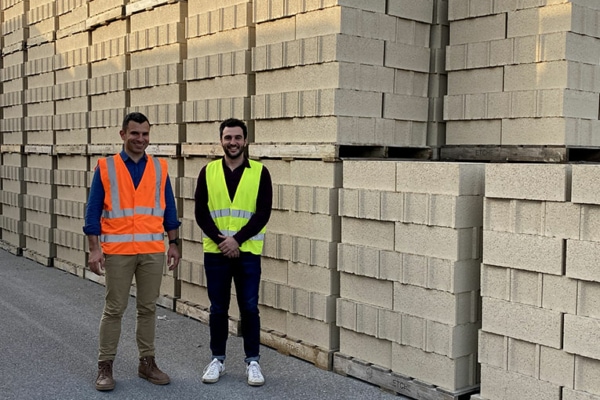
95	203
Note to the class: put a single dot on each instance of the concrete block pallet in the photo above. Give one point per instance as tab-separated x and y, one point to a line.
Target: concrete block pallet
390	298
396	383
547	221
517	153
514	84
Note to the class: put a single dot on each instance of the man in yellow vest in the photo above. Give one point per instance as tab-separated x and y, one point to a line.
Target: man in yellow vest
130	206
233	198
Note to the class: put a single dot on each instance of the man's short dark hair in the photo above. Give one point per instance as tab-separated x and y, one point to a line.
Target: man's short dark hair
231	123
135	117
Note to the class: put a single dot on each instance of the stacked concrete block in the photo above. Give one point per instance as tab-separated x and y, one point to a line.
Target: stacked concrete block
72	16
217	72
539	240
15	30
71	186
11	201
156	47
41	21
193	299
14	35
522	73
72	75
170	286
108	62
12	81
340	72
39	73
38	204
409	256
39	95
438	76
300	282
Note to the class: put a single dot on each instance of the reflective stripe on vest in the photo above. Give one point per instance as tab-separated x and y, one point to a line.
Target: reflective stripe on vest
230	216
117	212
132	219
138	237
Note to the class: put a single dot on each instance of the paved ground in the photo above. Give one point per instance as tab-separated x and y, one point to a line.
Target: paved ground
48	341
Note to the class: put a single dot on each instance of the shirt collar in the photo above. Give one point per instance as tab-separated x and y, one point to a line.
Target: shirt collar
245	164
126	157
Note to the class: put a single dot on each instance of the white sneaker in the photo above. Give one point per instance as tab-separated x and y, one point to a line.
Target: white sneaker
213	371
255	376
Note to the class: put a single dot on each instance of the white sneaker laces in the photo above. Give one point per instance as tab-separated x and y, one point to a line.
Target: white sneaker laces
214	368
255	372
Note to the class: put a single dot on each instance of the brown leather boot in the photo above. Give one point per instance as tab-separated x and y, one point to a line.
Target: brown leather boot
149	370
105	380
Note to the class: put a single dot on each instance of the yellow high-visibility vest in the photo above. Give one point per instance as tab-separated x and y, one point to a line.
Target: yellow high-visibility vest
231	216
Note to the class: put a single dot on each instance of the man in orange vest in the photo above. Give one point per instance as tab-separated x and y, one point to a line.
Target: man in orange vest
233	202
130	206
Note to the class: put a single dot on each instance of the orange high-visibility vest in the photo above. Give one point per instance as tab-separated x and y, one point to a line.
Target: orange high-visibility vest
132	219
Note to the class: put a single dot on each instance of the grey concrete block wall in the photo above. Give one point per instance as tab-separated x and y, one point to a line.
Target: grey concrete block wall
537	326
300	275
12	201
39	217
217	77
71	182
382	79
413	268
508	71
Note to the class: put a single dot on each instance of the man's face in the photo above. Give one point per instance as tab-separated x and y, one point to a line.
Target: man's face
136	138
233	141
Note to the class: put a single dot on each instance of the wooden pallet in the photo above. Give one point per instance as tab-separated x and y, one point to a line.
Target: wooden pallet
202	314
41	259
395	383
169	150
69	267
210	150
12	249
335	152
104	149
105	17
289	346
145	5
166	301
70	149
499	153
37	149
90	276
11	148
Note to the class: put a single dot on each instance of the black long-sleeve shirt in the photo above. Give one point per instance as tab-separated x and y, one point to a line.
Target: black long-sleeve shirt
264	203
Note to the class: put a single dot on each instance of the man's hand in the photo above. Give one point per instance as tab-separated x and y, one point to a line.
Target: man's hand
173	257
229	247
96	262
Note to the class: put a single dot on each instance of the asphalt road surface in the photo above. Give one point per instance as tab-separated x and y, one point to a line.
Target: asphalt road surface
49	339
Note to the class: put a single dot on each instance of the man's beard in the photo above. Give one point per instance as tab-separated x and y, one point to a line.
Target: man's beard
240	153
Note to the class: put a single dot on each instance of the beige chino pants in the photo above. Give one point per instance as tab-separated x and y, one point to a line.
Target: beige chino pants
119	273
